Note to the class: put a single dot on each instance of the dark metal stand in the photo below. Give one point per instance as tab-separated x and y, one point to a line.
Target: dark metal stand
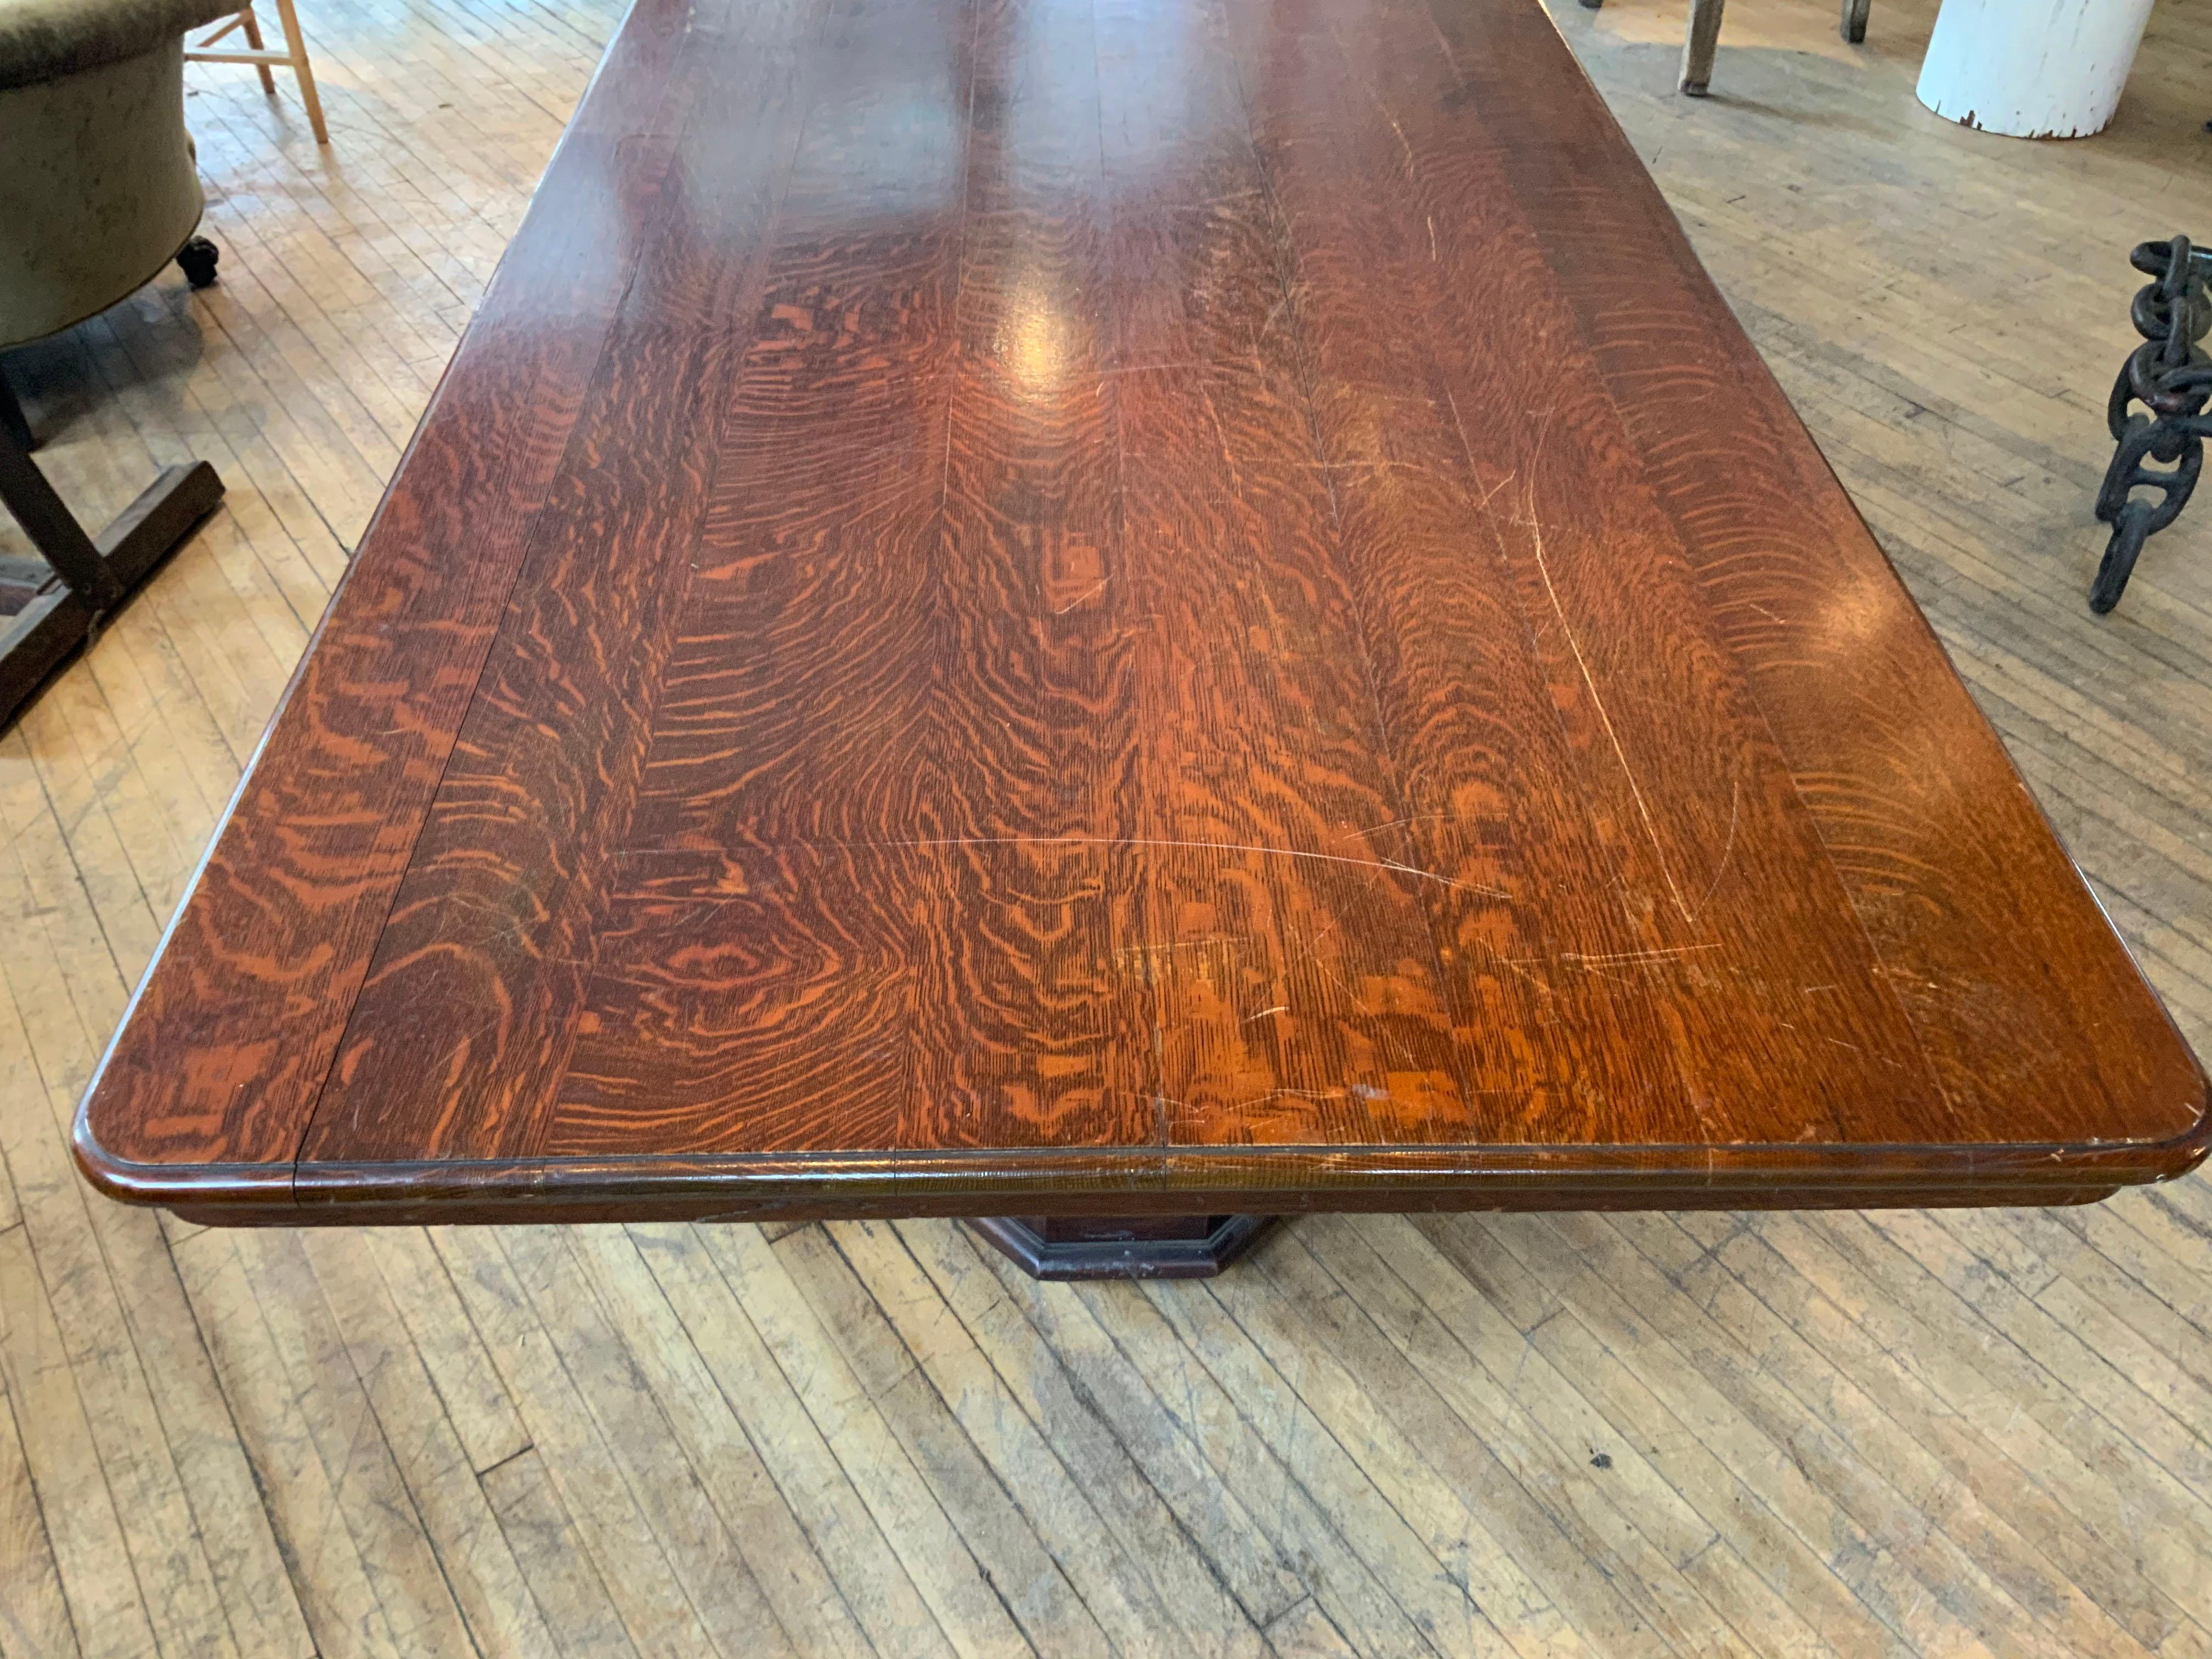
1123	1247
46	613
2171	377
12	421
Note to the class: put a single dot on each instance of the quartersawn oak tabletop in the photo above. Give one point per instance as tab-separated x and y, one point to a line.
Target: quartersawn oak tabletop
1057	605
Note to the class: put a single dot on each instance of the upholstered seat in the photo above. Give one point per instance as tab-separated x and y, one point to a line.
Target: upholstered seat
97	188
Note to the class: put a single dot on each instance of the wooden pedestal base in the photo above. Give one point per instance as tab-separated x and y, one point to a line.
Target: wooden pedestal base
1122	1247
49	606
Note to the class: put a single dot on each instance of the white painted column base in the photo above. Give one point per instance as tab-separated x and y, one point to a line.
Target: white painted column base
2032	69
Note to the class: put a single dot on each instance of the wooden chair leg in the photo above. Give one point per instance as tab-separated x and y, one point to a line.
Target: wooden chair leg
253	39
1698	49
297	45
1854	23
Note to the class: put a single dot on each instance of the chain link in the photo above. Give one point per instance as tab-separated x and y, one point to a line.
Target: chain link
2170	377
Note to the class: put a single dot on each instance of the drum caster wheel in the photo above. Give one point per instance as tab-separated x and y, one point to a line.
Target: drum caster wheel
198	259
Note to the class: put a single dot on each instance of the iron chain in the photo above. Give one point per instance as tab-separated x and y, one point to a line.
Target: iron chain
2170	377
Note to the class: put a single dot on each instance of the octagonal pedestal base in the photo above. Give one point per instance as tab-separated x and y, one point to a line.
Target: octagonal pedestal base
1122	1247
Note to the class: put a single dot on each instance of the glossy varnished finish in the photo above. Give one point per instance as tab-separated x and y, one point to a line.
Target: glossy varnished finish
1024	607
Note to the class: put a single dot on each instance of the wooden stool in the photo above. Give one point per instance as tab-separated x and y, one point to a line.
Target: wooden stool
294	56
1705	32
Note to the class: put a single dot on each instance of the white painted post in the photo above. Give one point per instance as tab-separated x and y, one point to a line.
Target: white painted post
2032	69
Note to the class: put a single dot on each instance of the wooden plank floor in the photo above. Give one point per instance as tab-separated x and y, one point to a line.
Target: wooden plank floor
1891	1433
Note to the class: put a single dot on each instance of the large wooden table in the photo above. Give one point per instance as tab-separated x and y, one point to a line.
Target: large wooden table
1066	608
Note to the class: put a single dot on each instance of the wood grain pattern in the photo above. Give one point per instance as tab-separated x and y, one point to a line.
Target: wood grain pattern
300	879
1018	606
2030	1383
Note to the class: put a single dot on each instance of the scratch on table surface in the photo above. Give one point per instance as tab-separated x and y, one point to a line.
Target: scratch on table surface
1451	59
1404	143
1375	99
1618	958
1221	431
1735	805
1280	1008
1199	846
1519	965
1327	972
1294	1094
1467	450
1166	946
1425	875
1400	823
1536	534
1079	598
1381	1030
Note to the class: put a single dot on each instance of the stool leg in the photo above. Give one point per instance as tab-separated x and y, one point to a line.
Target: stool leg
297	47
253	39
1853	23
1698	49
